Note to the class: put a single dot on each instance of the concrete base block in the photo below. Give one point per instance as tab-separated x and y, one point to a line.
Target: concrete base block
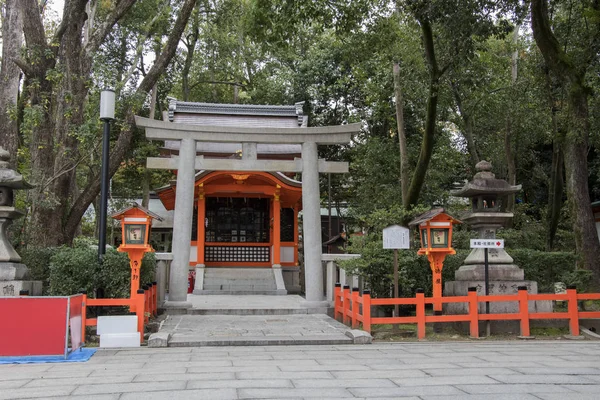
12	288
497	272
460	288
359	337
571	337
159	339
109	340
13	271
117	324
181	305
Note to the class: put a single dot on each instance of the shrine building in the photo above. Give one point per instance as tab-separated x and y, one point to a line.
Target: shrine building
236	198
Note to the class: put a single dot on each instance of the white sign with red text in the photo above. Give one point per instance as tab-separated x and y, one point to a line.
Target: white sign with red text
487	243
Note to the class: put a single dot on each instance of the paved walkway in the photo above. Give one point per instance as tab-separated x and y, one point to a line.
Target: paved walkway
256	330
548	370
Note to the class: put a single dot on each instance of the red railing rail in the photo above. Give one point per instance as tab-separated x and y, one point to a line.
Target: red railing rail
353	308
144	304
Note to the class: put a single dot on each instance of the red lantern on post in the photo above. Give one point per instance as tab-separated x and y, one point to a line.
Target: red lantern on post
136	222
435	231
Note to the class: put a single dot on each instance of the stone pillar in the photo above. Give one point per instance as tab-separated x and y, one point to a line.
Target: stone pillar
249	151
161	277
182	224
331	280
313	273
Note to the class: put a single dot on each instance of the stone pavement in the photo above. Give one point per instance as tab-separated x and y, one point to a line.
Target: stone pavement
256	330
489	370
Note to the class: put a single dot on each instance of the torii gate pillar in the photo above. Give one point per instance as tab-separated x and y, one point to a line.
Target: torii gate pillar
182	226
311	223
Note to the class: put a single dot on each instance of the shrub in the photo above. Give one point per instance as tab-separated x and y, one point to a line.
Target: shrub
76	268
37	261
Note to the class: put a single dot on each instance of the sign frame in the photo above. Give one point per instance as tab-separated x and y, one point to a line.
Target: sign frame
396	237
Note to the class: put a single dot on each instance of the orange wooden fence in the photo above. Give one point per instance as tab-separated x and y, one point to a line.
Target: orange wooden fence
144	305
353	308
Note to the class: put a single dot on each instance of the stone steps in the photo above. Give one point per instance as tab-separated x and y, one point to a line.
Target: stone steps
231	280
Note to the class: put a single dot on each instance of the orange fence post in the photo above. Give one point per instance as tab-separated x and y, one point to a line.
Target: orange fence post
337	301
346	303
354	307
139	310
573	311
420	314
473	312
524	310
83	315
366	310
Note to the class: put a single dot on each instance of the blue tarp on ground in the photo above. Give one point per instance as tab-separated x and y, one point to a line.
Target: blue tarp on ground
81	355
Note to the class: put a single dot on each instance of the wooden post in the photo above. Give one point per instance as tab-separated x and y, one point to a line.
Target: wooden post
366	311
355	307
473	313
346	303
139	310
337	301
135	262
276	229
572	310
201	239
420	314
524	310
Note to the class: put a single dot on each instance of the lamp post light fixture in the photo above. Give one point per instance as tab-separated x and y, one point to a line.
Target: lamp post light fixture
107	113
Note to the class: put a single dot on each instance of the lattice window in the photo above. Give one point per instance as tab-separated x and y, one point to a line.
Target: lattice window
258	254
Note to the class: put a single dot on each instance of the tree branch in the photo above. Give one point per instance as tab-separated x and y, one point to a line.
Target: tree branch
98	35
125	139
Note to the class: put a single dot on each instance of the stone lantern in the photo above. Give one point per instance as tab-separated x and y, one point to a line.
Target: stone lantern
13	274
488	198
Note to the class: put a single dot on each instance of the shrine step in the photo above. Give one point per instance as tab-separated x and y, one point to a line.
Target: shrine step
224	280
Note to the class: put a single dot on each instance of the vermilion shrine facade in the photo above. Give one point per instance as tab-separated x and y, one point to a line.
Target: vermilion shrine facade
243	219
236	200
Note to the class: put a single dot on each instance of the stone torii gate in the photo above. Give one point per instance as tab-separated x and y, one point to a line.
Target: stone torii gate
187	163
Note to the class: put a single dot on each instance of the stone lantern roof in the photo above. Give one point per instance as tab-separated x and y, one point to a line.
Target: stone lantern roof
10	178
485	182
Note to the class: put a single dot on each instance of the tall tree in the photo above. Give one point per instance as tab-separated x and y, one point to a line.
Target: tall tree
10	76
570	73
60	69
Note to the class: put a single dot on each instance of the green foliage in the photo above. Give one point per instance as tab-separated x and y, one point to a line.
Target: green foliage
546	268
75	268
37	261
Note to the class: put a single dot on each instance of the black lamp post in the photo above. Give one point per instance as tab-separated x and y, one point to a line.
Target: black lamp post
107	113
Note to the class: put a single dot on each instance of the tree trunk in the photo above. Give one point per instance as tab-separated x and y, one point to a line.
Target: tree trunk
189	58
555	194
125	139
10	76
404	166
509	152
576	140
60	98
435	74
